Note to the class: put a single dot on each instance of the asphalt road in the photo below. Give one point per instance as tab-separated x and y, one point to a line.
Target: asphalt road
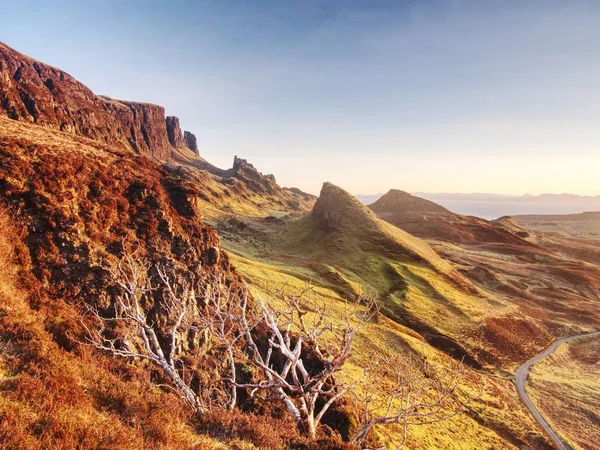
521	378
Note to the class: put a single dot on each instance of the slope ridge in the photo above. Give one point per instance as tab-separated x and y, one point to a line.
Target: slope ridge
398	201
426	219
338	212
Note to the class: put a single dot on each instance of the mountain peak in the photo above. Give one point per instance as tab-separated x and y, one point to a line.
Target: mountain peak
335	208
397	201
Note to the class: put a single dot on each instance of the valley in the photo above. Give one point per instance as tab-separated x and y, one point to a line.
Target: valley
86	181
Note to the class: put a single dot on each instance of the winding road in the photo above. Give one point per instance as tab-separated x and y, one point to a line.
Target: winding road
521	378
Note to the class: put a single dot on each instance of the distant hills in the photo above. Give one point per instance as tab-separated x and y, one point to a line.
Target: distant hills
491	206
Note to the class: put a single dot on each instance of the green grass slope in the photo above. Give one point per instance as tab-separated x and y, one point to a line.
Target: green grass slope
342	245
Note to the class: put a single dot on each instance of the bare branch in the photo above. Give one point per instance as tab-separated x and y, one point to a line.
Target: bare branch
303	323
420	395
138	337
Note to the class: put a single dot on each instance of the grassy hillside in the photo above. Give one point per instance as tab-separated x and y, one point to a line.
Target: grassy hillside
345	250
495	420
548	284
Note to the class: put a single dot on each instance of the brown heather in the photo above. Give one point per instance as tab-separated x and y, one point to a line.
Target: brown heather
74	202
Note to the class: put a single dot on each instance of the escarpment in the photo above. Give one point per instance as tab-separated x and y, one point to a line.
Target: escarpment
31	91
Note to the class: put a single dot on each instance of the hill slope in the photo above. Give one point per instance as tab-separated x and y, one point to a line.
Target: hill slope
343	244
554	293
343	249
427	219
340	223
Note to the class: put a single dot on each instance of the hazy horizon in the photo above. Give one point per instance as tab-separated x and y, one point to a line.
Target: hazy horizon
424	96
493	206
483	194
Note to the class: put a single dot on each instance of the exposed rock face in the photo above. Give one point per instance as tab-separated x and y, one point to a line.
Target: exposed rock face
243	170
191	141
31	91
174	132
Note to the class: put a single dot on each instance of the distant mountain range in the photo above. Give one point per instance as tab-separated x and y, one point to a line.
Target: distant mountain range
491	206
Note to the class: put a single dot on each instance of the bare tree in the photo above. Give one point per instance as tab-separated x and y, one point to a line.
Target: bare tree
224	318
130	333
303	325
331	339
418	394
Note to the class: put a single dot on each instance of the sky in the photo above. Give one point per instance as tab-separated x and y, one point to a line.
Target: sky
429	96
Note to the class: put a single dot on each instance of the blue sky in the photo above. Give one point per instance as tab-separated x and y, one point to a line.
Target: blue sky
454	96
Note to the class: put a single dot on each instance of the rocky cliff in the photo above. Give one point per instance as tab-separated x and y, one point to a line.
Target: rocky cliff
191	141
258	182
174	132
31	91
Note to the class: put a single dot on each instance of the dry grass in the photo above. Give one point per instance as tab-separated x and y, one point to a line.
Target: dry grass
56	399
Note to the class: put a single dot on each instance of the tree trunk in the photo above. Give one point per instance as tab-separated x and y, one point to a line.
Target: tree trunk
311	429
291	408
233	399
183	388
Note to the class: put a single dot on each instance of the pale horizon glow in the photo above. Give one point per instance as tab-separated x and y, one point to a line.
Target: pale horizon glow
428	96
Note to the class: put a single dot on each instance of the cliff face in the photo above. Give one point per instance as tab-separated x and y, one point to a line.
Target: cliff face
31	91
258	182
174	132
140	126
191	141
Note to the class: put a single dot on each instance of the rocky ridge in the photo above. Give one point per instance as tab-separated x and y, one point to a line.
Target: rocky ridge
31	91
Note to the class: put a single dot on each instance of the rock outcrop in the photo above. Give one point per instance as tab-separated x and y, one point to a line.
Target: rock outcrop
174	132
191	141
243	170
31	91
